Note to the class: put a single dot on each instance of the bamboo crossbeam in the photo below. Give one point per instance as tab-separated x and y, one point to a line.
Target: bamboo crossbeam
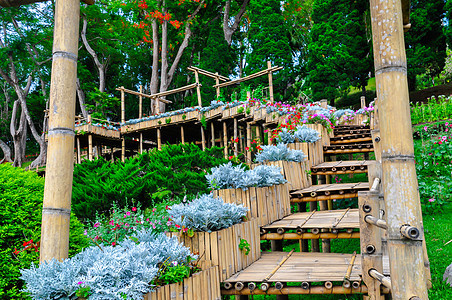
156	95
208	74
249	77
278	266
310	236
296	290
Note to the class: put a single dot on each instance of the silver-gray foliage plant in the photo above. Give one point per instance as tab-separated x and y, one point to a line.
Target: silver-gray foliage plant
111	272
207	213
279	152
305	134
227	176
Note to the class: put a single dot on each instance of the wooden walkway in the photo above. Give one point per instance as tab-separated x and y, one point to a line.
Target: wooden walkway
340	167
328	192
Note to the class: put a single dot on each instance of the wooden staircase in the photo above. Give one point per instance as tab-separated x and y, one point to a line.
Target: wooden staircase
285	273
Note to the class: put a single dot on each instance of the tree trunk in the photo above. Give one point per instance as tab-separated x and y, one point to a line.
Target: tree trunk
81	99
229	30
6	152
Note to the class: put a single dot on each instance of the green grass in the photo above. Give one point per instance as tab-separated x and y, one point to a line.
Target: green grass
438	231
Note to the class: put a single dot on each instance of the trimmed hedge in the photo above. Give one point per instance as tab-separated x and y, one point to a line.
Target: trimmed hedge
21	195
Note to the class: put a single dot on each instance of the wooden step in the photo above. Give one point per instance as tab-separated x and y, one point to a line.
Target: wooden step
331	224
350	136
302	267
347	151
341	167
351	132
352	141
328	192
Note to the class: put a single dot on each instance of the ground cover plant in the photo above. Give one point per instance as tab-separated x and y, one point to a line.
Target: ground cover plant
21	194
148	178
279	152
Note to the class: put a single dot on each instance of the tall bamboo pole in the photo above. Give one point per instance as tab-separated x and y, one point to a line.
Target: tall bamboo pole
123	120
198	88
79	154
225	139
212	134
400	185
236	145
182	134
60	153
270	81
217	82
140	115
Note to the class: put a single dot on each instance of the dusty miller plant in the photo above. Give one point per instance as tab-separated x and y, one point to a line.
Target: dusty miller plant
304	134
124	271
279	152
207	213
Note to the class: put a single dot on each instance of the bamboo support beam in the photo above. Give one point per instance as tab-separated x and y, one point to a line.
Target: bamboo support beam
298	290
236	145
212	134
376	222
217	82
270	81
399	181
310	235
60	152
79	158
159	139
375	185
225	139
140	115
123	149
248	142
198	89
347	283
182	134
203	138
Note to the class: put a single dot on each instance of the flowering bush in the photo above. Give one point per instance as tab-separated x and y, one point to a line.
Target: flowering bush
126	271
434	165
207	213
228	176
279	152
302	134
124	222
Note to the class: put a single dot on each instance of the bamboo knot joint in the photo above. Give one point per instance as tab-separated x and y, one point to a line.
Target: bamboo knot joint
388	69
56	211
65	54
61	131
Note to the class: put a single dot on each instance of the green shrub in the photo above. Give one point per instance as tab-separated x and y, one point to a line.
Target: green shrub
21	194
147	178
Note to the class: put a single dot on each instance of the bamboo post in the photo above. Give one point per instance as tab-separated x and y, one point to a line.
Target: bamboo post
315	245
400	187
248	142
182	134
60	152
203	138
363	101
159	139
217	82
140	115
90	147
79	157
123	120
225	139
324	103
236	145
112	154
212	134
270	81
198	88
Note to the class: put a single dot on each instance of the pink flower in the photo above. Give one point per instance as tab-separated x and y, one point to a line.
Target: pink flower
431	200
80	282
112	223
96	225
154	209
134	209
169	223
425	128
147	219
113	244
128	213
86	232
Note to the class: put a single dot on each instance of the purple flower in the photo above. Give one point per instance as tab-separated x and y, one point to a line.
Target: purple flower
80	282
431	200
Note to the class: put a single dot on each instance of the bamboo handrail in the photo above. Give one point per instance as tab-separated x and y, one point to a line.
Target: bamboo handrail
375	221
208	74
146	95
384	280
249	77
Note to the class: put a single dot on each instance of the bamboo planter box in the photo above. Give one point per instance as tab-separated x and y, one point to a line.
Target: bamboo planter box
294	172
201	285
314	151
90	129
234	111
221	248
212	113
267	204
